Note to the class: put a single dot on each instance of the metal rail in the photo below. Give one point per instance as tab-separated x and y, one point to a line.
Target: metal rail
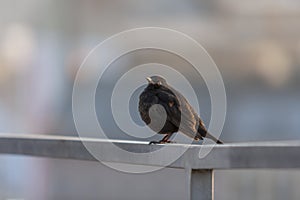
200	171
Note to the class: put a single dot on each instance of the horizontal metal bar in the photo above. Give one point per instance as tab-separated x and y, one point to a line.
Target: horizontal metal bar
228	156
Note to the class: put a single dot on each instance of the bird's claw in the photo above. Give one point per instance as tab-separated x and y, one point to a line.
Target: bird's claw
154	142
161	142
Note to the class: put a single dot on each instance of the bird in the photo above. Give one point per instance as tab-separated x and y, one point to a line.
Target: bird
160	103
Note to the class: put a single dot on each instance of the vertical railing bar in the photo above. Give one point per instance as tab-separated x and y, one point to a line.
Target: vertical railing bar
201	184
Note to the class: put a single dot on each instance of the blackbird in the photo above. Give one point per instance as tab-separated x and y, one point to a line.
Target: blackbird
160	103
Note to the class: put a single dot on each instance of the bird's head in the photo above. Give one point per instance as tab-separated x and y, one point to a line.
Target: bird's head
156	81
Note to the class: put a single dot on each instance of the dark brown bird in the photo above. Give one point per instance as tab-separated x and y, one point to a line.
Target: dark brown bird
166	111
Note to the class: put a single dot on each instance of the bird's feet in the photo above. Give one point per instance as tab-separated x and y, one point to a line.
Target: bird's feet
161	142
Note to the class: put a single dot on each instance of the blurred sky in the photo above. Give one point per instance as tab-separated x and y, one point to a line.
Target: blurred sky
256	46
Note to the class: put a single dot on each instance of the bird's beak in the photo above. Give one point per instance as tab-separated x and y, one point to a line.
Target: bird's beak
149	80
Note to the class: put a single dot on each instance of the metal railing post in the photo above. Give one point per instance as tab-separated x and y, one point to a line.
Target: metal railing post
201	184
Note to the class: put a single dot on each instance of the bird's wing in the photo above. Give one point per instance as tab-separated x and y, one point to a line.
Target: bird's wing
180	113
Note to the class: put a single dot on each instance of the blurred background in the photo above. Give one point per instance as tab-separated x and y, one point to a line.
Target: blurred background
255	44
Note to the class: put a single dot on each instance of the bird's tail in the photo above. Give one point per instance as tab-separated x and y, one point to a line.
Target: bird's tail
210	136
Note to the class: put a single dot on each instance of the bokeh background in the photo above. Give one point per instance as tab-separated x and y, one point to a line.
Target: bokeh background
256	45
